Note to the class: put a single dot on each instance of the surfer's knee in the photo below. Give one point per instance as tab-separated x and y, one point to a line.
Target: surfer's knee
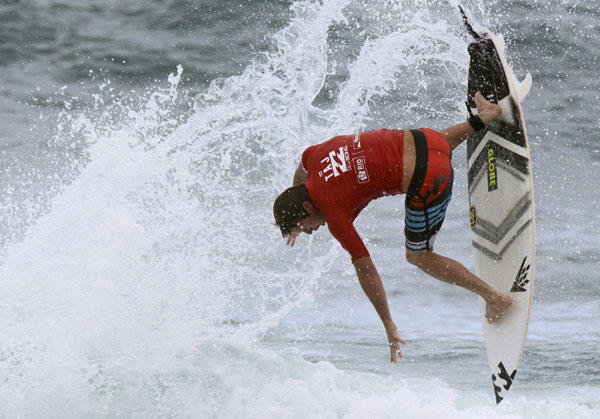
418	259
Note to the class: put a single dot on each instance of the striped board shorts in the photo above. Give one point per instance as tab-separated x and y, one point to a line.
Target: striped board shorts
430	190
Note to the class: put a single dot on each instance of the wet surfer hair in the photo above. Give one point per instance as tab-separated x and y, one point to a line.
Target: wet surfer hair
288	208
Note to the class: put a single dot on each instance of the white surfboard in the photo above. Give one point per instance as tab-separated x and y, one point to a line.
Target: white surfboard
503	219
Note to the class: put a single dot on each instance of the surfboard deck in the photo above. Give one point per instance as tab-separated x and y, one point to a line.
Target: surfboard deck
501	205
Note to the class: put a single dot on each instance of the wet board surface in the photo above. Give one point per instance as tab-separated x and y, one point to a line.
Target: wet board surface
502	215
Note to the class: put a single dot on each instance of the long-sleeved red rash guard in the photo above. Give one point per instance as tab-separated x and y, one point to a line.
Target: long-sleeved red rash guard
346	172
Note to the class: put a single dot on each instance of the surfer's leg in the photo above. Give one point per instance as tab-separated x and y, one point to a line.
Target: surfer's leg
430	190
428	196
452	272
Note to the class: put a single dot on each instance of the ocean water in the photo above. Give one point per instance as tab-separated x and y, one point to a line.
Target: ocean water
142	145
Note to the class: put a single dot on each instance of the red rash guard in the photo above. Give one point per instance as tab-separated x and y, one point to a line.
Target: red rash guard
346	172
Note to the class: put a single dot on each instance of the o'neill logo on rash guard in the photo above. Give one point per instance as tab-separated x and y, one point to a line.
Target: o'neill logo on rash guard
336	163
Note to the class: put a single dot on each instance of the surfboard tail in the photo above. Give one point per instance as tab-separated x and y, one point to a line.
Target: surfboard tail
485	68
485	72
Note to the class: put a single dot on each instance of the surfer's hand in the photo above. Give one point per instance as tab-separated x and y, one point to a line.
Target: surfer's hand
394	341
291	238
486	110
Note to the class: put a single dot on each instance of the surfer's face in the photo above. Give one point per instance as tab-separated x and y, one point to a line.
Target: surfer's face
308	225
311	223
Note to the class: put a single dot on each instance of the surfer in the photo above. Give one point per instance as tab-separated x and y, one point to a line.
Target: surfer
338	178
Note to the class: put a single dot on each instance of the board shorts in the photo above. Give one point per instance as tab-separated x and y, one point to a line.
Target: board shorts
430	190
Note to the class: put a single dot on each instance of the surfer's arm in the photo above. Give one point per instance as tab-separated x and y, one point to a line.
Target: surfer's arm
458	133
370	281
487	111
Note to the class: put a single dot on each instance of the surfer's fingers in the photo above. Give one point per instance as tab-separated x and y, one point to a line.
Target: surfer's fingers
486	110
478	99
291	239
481	101
395	350
393	356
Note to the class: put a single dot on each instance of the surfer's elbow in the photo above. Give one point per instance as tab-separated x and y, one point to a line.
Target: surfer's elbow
299	176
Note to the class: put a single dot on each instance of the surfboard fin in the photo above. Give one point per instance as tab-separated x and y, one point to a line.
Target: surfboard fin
522	90
523	87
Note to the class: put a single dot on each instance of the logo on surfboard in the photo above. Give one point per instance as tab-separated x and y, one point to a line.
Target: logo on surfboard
492	172
473	216
521	279
502	375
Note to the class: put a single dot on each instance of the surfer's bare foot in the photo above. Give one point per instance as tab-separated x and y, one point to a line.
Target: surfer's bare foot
486	110
496	308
